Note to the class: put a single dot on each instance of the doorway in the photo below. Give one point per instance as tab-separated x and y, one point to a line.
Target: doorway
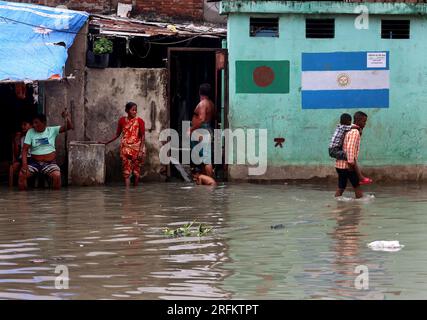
17	104
188	69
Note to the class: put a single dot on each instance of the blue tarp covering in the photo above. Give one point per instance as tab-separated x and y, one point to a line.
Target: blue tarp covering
34	40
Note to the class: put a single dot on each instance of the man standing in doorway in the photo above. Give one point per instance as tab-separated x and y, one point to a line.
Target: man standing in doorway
346	168
203	117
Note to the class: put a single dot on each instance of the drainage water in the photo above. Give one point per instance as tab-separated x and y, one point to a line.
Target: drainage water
111	242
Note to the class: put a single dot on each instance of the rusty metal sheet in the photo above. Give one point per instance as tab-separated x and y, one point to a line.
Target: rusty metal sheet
133	27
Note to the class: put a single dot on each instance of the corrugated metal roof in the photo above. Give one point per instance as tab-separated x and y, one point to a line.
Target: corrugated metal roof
111	25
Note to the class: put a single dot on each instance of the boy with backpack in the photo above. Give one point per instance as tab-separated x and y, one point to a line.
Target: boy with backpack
336	145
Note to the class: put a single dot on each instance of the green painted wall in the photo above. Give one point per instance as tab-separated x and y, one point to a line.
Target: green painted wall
314	7
393	136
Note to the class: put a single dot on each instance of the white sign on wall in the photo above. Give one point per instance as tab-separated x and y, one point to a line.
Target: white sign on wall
376	59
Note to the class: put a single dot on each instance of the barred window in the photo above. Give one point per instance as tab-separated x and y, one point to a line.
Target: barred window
320	28
264	27
395	29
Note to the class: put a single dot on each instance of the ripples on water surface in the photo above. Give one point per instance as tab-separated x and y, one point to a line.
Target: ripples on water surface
111	241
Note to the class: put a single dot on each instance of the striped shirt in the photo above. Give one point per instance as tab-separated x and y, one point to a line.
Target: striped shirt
351	147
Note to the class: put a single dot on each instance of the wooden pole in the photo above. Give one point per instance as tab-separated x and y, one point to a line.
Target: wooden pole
66	149
66	142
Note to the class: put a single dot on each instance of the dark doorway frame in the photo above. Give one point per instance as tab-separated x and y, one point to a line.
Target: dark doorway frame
221	64
15	110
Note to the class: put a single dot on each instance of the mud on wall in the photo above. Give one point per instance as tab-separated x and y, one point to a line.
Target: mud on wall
106	93
68	94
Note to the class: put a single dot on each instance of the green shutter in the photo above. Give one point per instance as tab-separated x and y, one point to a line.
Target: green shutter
262	76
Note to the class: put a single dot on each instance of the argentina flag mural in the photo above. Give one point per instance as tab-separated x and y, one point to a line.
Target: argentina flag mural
336	80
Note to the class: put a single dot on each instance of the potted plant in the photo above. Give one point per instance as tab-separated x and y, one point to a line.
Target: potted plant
100	55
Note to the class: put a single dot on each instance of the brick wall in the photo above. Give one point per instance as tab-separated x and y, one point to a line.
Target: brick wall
179	9
153	9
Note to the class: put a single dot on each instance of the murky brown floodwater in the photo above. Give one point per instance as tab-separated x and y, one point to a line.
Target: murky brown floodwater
111	241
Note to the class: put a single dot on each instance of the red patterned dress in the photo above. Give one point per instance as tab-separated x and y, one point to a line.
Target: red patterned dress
132	151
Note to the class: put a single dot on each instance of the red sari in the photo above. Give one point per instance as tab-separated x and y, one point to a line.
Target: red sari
132	145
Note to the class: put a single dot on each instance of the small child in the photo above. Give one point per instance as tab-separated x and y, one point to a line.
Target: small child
336	145
202	179
18	145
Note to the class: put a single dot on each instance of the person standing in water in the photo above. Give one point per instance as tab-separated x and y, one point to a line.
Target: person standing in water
203	117
337	140
132	130
346	168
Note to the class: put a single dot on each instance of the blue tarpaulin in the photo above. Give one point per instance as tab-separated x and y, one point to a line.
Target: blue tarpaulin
34	40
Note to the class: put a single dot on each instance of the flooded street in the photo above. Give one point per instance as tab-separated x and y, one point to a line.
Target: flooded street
112	243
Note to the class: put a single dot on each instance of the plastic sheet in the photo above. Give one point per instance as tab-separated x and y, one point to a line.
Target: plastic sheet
34	40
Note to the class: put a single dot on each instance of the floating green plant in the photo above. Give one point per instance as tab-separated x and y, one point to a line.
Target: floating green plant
186	231
102	46
203	230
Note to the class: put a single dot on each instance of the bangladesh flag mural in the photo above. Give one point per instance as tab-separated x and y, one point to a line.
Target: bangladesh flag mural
262	76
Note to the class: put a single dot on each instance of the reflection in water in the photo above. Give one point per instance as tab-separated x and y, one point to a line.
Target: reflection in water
111	241
346	245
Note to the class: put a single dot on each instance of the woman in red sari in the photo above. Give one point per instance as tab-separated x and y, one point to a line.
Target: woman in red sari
132	130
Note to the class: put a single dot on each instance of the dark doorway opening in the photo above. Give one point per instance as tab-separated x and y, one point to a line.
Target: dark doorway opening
188	69
17	104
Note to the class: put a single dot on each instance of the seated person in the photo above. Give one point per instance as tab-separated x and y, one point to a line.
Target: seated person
18	144
202	179
41	139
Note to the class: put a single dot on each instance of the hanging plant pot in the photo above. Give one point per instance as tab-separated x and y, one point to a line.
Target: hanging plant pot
99	57
97	60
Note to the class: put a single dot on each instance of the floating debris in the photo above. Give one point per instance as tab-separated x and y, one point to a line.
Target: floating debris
185	230
38	261
389	246
278	226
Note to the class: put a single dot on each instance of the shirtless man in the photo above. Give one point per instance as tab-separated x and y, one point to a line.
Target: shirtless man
202	119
